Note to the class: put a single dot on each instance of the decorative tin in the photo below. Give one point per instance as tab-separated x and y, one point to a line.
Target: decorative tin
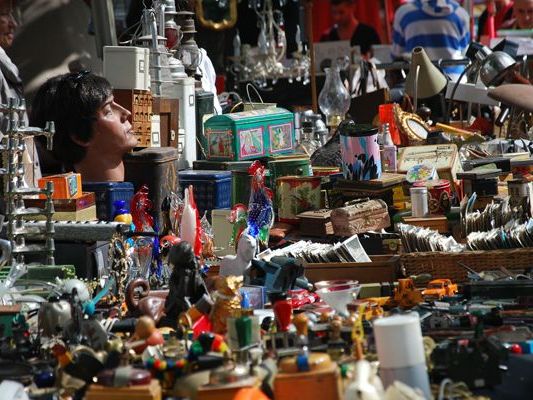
361	159
293	165
249	135
439	195
296	194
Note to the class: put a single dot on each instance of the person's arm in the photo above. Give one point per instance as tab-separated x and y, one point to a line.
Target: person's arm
398	36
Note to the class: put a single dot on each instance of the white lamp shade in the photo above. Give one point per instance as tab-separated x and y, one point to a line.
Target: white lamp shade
430	80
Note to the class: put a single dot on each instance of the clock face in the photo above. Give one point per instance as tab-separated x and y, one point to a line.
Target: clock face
417	129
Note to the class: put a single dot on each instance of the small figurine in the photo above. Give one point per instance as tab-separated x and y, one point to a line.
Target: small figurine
260	209
142	303
227	301
140	207
145	335
186	286
190	227
240	264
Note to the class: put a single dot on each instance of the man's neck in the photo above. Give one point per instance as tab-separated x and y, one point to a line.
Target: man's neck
101	169
346	31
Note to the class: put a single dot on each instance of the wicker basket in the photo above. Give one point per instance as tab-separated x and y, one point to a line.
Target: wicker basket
444	265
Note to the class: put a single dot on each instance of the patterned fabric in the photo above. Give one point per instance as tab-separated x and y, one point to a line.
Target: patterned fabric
441	27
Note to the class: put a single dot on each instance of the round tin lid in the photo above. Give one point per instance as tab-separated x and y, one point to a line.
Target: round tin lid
433	184
357	130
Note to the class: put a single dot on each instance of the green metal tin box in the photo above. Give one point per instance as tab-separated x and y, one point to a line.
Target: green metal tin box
249	135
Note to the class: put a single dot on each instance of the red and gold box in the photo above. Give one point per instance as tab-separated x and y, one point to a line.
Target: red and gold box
66	186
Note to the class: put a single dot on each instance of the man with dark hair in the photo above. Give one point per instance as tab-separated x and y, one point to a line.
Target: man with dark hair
93	132
347	27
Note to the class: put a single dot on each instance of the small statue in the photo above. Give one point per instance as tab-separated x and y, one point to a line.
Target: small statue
240	264
142	303
186	286
146	334
227	301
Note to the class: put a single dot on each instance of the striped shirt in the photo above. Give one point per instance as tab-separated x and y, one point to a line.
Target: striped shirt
441	27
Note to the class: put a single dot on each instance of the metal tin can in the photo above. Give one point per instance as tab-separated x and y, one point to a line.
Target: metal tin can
439	195
419	201
296	194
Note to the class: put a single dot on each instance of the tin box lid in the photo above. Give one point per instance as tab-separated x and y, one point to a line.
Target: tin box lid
101	186
433	184
357	130
192	174
152	154
238	116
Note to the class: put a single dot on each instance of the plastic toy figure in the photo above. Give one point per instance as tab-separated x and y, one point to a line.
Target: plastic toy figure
186	286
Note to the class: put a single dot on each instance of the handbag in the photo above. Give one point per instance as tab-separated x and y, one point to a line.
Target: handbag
364	106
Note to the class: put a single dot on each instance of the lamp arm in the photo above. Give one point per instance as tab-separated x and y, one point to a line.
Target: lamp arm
449	111
417	72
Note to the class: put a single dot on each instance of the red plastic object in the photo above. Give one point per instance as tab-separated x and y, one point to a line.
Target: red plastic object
386	116
283	314
515	348
201	325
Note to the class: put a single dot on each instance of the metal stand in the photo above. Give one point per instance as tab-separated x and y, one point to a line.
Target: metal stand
12	148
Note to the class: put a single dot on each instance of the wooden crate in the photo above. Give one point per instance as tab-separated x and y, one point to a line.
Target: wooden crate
139	103
384	268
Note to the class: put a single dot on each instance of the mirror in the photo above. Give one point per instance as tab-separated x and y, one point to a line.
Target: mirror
411	126
217	15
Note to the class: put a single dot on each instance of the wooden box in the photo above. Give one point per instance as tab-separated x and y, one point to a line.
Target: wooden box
66	186
141	392
168	111
87	199
384	268
249	135
313	385
139	103
437	223
445	158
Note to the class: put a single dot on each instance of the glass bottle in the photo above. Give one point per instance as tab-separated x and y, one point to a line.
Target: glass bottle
334	98
389	150
307	144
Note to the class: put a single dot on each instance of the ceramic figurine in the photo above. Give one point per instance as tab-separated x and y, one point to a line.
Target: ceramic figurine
240	264
366	384
145	335
186	286
227	301
143	303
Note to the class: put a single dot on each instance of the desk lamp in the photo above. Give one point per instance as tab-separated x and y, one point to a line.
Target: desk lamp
424	79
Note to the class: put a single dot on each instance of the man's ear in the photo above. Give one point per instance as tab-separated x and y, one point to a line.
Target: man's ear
79	142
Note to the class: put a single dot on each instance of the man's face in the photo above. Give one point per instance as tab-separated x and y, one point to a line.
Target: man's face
523	12
7	24
341	14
